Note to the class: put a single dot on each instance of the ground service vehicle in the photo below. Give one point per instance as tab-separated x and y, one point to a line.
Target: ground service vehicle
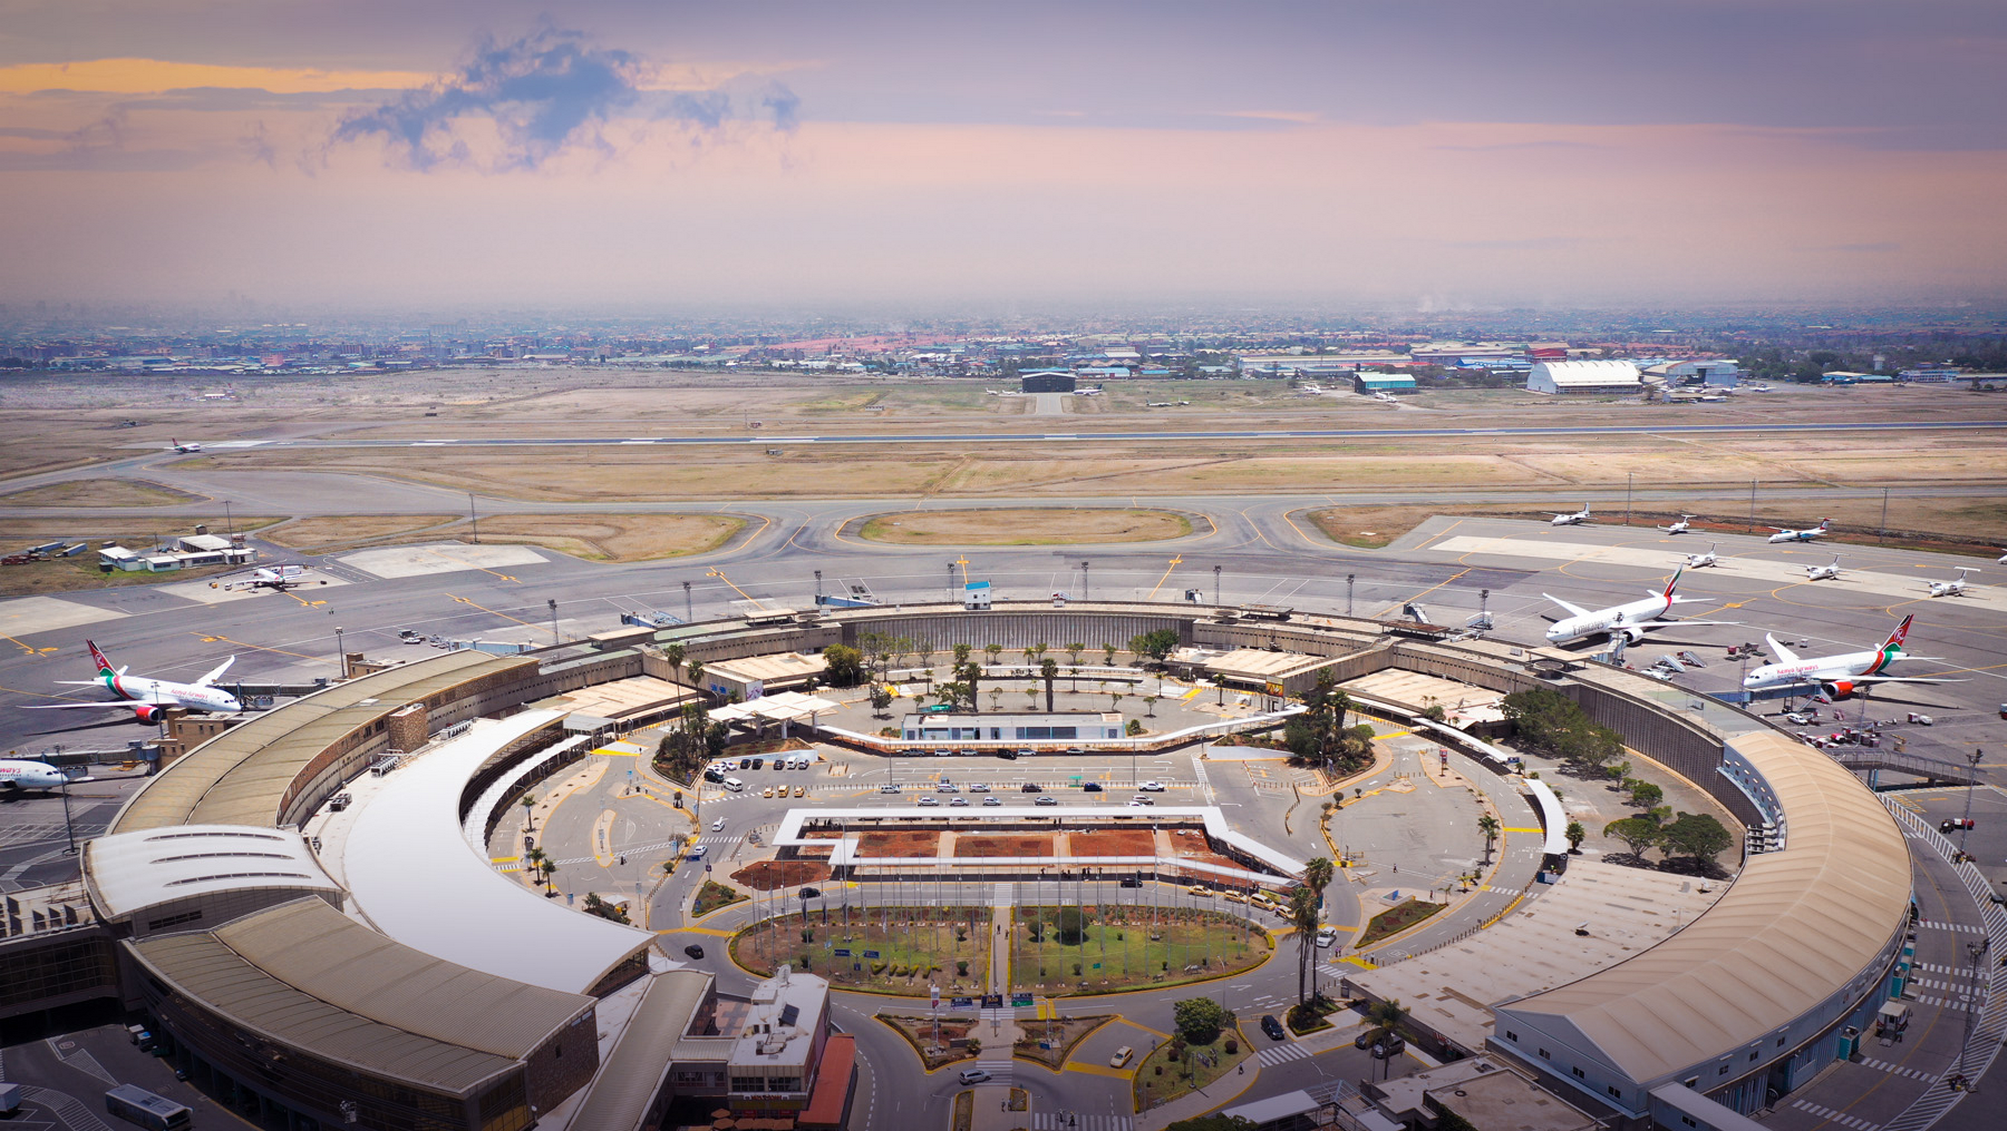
10	1098
137	1105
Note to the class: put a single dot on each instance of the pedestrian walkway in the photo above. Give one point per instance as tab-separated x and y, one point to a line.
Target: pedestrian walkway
1068	1121
1897	1069
1841	1118
1960	928
1281	1054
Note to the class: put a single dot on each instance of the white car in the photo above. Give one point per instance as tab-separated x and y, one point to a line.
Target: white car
1326	936
980	787
959	802
717	824
928	801
1152	787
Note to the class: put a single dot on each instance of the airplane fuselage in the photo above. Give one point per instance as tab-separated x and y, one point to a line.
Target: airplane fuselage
18	775
166	693
1616	617
1819	671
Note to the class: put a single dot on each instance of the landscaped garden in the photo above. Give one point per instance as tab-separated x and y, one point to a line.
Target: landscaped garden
1103	948
902	950
1396	919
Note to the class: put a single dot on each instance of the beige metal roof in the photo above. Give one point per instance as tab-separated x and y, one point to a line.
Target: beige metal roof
130	872
1793	927
241	777
310	978
627	1081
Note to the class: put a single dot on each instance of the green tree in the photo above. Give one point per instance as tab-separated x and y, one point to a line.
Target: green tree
1200	1019
697	680
1073	652
1547	722
1108	650
962	654
1637	833
1386	1017
1156	644
594	905
1048	670
1072	925
1644	794
1697	835
881	699
1488	825
843	666
1576	834
529	804
1150	705
993	651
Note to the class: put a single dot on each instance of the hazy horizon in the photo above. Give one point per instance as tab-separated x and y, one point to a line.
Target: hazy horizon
1346	157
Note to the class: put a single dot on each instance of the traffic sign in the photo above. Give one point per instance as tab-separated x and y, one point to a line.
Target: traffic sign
870	954
841	952
961	1002
1020	1001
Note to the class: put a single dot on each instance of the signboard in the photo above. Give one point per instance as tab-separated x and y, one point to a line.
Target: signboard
841	952
992	1001
1020	1001
1275	689
961	1002
870	954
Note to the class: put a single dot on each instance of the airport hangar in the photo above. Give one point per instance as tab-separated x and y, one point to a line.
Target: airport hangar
240	954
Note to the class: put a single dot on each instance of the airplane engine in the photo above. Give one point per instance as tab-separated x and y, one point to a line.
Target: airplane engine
1831	692
147	714
1635	635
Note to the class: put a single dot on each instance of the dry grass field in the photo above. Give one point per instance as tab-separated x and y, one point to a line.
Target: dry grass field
597	537
1024	526
98	493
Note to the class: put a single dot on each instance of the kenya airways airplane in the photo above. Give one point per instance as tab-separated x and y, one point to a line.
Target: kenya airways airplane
17	775
1828	678
147	698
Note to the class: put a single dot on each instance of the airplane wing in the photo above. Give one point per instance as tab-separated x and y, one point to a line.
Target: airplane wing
1573	610
1643	624
1784	655
218	671
128	704
1901	679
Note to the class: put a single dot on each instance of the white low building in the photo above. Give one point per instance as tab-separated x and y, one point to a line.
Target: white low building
1583	377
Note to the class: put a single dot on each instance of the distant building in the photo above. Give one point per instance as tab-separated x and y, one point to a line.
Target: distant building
1047	381
1060	726
976	595
1382	383
1714	372
1939	374
1313	365
1849	377
1576	377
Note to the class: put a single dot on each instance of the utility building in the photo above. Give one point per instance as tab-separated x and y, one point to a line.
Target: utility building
1583	377
1046	381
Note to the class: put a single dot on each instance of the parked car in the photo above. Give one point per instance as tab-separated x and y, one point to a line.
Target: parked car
947	787
1152	787
1090	787
980	787
958	802
1029	787
694	951
1273	1028
929	801
1046	799
888	789
801	791
993	800
1326	936
1131	882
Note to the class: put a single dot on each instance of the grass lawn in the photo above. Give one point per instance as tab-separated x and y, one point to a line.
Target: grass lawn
1124	947
712	896
954	1031
1062	1033
914	947
1396	919
1160	1079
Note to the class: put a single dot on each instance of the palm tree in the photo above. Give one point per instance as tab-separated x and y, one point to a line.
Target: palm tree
535	857
1304	915
529	804
1049	669
674	655
1576	834
1317	874
1488	825
697	677
549	868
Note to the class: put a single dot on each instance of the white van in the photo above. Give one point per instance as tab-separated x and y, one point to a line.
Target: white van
734	784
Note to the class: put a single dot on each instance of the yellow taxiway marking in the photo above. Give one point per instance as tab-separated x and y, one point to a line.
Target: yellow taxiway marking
492	612
1134	1024
505	859
718	931
208	639
28	648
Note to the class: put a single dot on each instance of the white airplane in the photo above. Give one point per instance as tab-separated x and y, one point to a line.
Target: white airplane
1827	572
1633	618
1702	561
2001	560
277	577
1386	398
190	446
1953	588
17	775
148	699
1571	519
1806	535
1832	677
1680	527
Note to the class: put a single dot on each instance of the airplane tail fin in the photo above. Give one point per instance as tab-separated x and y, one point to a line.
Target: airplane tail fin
1670	585
1822	524
104	665
1901	632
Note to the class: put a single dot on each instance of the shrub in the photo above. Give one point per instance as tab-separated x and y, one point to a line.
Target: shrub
962	967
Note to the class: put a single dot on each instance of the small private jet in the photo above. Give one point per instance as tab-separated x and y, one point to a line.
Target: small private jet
1953	588
277	578
1806	535
1680	527
1828	572
1702	561
1572	518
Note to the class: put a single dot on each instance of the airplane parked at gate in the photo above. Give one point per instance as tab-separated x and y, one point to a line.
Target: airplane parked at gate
277	577
17	775
1829	678
146	698
1806	535
1571	519
1680	527
190	446
1702	561
1827	572
1953	588
1632	619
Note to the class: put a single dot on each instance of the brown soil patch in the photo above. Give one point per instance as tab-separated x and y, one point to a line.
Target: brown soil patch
599	537
1113	842
80	573
769	875
1003	845
98	493
1024	526
336	531
913	843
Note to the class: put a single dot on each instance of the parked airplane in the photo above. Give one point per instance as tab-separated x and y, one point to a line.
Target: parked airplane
1632	619
1702	561
149	698
17	775
1386	397
1571	519
2001	560
1953	588
276	577
1832	677
1680	527
190	446
1806	535
1826	572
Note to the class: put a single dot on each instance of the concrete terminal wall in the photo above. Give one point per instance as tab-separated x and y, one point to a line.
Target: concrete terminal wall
942	627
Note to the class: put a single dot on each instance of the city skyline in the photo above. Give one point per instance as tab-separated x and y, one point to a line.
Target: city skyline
1418	157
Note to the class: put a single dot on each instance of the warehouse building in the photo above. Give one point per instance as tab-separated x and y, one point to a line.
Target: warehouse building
1363	382
1578	377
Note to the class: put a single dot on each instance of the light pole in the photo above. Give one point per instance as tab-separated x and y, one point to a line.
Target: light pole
688	616
552	602
473	518
1965	826
69	829
1348	593
1973	995
1216	585
818	587
341	656
951	583
1628	476
1083	581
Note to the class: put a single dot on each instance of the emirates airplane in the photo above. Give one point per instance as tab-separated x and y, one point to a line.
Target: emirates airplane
146	698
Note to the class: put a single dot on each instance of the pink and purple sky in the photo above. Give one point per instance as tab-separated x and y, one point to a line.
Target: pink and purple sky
441	153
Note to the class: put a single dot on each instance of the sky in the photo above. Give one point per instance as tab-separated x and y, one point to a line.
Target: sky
641	155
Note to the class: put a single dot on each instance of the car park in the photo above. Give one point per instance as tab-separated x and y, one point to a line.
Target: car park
694	951
1046	799
1122	1057
1273	1028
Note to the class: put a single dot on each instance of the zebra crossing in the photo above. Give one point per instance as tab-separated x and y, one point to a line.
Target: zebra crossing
1960	928
1281	1054
1897	1069
1849	1121
1941	1002
1961	985
1000	1070
1074	1121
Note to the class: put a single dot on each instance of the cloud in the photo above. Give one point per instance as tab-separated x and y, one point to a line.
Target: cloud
545	92
152	76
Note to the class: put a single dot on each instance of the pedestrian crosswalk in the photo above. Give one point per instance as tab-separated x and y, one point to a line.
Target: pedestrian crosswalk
1281	1054
1854	1123
1001	1070
1075	1121
1897	1070
1960	928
